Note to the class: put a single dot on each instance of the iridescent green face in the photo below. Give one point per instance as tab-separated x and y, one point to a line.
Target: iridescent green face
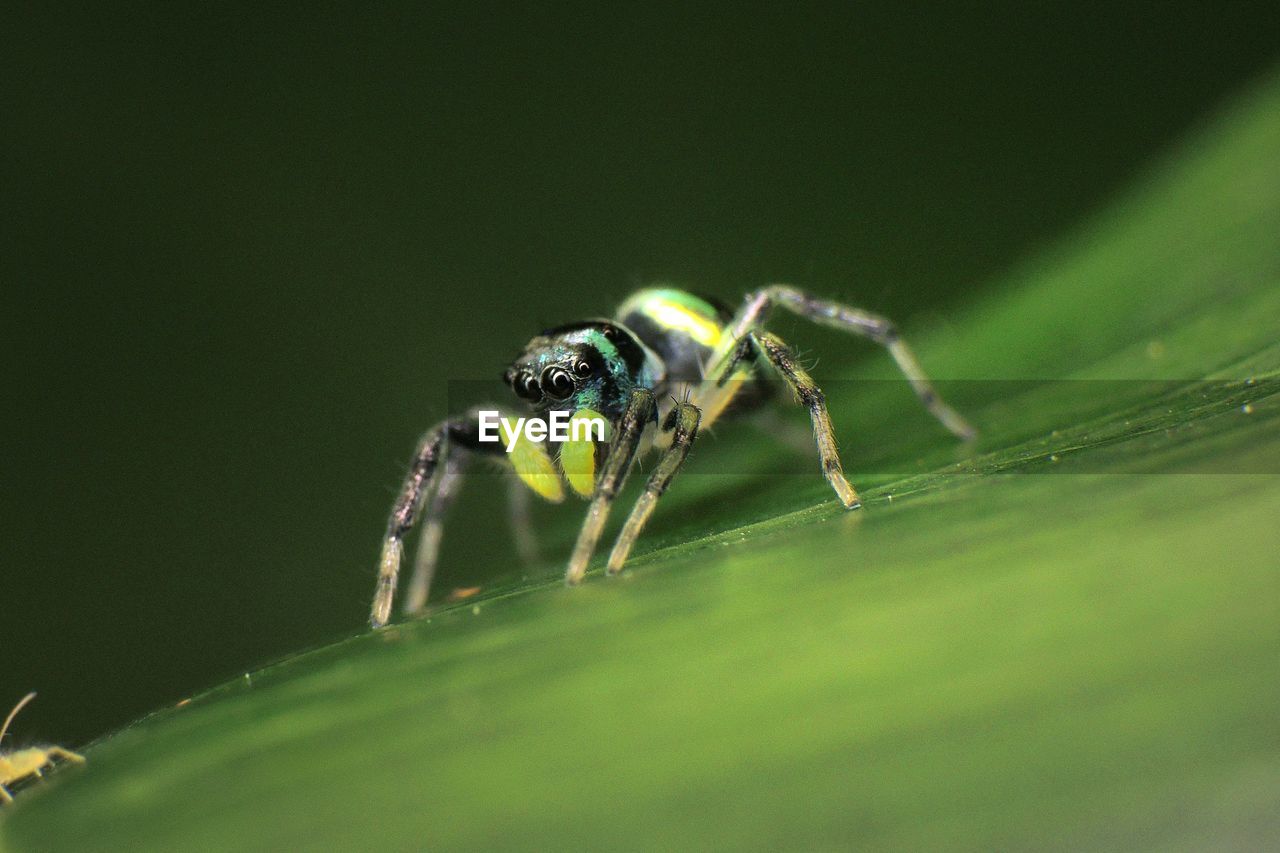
591	365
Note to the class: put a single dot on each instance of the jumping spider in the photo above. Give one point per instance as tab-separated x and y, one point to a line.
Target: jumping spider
628	371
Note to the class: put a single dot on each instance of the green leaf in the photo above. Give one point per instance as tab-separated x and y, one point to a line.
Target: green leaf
1067	635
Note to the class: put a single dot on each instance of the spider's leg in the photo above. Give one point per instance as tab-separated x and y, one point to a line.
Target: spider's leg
436	466
5	796
437	471
404	513
424	565
683	422
846	318
809	395
617	463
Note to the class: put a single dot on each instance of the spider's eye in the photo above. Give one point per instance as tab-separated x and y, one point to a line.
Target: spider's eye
557	382
526	387
582	367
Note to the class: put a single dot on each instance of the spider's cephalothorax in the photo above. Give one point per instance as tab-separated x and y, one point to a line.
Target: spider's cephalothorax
627	371
590	365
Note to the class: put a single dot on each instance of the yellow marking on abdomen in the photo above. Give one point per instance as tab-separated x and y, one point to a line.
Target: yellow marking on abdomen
671	316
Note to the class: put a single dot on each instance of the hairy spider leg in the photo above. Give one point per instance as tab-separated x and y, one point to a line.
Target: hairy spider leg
404	514
613	473
529	461
745	337
755	310
682	424
809	395
725	379
519	521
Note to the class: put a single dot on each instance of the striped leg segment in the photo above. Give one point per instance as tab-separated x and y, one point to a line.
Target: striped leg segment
622	450
682	422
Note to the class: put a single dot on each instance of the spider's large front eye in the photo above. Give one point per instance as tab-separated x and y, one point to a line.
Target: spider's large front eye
557	382
526	387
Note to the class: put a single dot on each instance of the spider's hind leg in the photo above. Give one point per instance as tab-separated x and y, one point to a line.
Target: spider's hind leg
755	310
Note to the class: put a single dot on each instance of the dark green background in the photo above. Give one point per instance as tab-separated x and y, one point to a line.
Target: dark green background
244	251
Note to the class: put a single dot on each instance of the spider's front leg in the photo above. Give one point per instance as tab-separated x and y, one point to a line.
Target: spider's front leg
404	514
682	423
617	463
433	478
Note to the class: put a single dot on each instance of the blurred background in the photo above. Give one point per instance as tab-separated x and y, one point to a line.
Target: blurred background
245	251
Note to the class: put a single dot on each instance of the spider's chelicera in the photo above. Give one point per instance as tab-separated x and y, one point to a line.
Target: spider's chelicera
669	363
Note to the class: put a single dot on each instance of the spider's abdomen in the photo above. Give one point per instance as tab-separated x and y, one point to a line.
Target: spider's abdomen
680	327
